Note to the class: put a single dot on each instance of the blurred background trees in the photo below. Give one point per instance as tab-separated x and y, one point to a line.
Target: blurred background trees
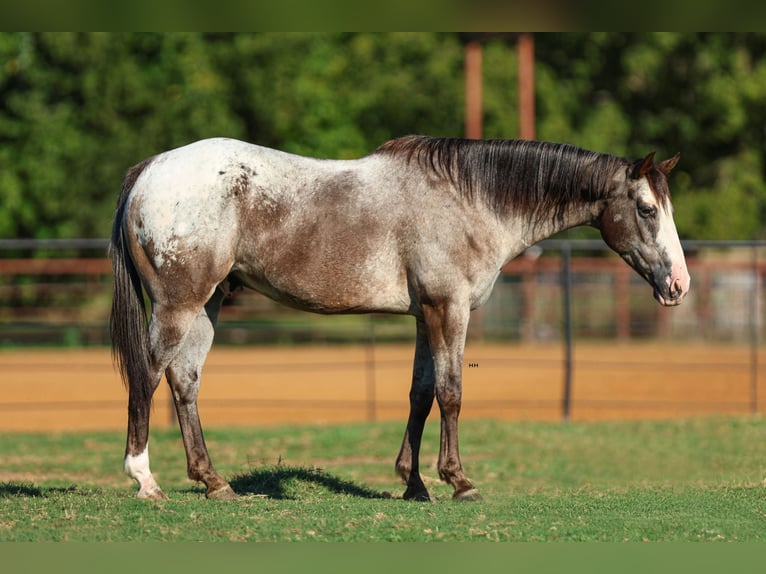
77	109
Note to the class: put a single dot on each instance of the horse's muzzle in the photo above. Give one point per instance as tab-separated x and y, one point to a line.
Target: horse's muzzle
670	280
675	288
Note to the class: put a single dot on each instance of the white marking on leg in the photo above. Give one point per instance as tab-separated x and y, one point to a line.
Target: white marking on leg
137	467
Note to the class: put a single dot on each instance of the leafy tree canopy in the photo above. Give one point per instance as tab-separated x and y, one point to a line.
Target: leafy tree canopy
76	109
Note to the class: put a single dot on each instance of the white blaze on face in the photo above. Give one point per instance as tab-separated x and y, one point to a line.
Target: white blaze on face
667	241
679	277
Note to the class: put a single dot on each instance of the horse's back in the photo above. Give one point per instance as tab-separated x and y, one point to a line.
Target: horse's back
312	233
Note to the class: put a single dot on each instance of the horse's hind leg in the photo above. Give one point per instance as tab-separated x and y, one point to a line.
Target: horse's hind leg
184	375
136	462
421	401
167	330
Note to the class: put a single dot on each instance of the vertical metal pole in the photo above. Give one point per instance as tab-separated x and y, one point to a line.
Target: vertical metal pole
566	284
755	322
370	371
473	95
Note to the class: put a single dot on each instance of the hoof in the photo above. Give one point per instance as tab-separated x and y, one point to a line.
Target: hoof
152	494
223	493
470	495
418	495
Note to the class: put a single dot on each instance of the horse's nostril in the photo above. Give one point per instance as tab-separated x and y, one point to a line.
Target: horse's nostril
676	289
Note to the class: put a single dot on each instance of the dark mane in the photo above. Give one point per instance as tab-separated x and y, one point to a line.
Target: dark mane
535	178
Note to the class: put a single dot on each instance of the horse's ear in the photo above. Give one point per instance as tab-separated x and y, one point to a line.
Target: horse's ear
640	169
667	165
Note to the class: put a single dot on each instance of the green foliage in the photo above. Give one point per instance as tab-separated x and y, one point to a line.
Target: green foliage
691	480
76	109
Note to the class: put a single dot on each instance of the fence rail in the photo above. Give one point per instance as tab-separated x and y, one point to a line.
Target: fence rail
561	294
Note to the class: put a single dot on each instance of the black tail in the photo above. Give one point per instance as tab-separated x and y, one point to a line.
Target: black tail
127	322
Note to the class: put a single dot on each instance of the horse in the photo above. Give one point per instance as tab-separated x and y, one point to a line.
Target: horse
420	226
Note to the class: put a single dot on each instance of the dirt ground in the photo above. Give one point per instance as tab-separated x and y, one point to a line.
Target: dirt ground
45	390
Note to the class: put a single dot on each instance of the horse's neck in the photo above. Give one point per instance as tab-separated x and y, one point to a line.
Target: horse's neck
564	203
525	231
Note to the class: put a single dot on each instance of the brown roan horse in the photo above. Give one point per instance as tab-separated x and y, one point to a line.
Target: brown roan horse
421	226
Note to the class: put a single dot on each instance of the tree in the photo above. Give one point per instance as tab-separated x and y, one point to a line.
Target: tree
700	94
77	109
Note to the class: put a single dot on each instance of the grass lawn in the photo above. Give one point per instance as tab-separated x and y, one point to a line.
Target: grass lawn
683	480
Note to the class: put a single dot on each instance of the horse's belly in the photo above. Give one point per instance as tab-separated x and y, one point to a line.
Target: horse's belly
331	294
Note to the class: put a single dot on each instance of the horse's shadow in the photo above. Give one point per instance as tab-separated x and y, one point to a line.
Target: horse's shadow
274	482
12	489
19	489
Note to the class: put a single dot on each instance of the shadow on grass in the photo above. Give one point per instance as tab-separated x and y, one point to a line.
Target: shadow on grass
20	489
275	482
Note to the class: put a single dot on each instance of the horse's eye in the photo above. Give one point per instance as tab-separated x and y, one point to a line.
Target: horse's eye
647	211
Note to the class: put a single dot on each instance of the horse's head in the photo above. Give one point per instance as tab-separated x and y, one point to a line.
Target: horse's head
637	223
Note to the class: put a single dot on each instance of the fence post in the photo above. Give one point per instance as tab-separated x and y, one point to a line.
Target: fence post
755	325
566	284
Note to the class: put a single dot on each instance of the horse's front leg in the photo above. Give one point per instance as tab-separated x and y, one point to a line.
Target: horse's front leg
447	326
421	401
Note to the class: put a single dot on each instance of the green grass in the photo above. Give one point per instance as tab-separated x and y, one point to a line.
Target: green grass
691	480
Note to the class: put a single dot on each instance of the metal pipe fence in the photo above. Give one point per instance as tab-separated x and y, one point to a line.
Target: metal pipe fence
565	292
752	330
